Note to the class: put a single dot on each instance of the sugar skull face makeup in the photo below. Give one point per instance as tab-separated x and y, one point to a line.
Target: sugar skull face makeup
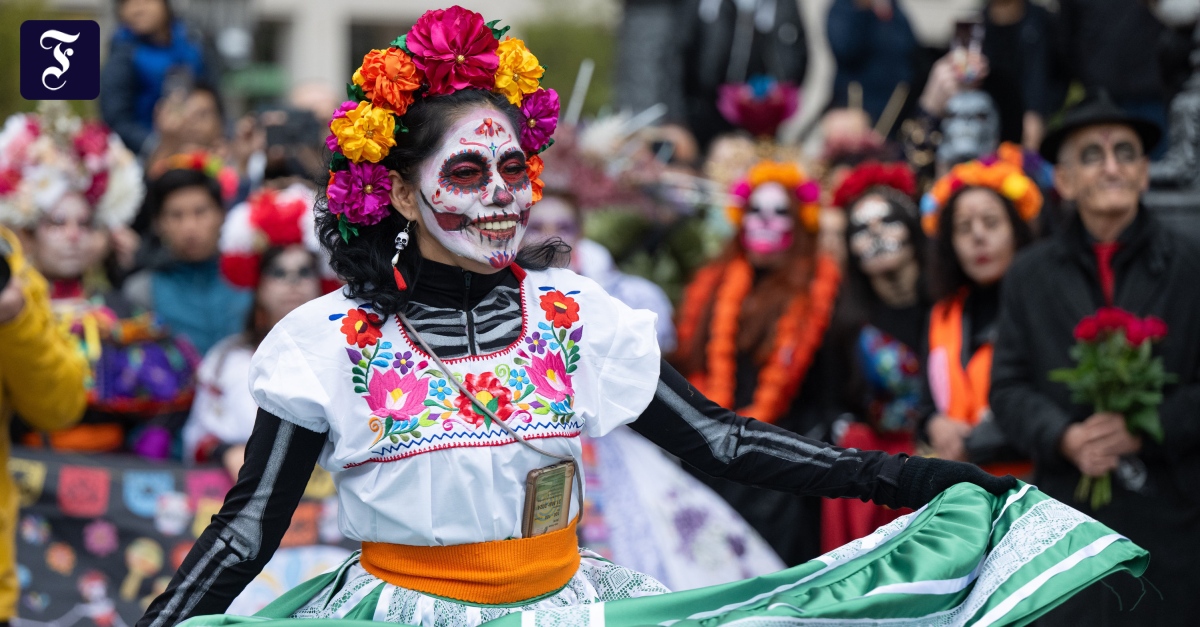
768	226
475	192
879	240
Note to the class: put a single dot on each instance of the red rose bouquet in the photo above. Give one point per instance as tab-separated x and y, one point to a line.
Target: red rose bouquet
1116	372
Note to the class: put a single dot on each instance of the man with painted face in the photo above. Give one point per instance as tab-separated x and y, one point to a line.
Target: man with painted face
446	386
1114	252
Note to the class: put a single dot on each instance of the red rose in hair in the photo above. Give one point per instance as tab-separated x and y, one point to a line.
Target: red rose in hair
874	174
1087	329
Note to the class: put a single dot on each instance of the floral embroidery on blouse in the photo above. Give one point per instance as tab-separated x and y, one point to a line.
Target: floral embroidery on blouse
412	407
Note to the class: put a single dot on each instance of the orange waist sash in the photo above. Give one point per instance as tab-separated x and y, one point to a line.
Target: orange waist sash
485	573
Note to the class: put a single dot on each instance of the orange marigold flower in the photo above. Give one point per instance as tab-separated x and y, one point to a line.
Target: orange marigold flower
535	167
389	78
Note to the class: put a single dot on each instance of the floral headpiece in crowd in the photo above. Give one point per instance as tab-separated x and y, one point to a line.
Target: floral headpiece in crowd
872	174
446	51
792	178
267	219
1001	172
201	161
759	105
45	155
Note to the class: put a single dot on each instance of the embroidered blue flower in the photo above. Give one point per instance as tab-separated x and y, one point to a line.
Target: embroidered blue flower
517	379
404	362
535	343
440	389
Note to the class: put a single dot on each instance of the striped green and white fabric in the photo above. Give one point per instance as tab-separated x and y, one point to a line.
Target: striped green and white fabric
967	558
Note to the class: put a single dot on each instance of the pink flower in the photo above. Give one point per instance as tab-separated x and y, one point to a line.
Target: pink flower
391	396
361	193
549	375
455	49
539	118
91	140
1155	328
347	106
808	192
331	142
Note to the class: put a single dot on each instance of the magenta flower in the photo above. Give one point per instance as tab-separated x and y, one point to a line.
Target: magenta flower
391	396
361	193
539	118
331	142
347	106
455	49
549	376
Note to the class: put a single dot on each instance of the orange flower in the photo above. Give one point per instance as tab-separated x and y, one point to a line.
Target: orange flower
535	166
561	310
389	78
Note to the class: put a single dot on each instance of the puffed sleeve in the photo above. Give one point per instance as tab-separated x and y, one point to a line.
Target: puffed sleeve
623	362
283	382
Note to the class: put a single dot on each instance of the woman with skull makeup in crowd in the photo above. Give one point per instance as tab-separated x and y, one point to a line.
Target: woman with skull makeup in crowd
878	330
445	388
70	190
978	216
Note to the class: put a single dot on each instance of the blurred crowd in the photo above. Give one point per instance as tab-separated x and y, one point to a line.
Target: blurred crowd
903	278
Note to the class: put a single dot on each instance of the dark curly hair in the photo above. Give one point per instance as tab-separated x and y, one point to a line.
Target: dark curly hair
947	276
365	262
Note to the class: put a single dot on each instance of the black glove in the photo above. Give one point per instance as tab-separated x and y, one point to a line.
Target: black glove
922	478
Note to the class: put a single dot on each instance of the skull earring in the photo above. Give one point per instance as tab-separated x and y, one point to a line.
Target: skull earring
401	244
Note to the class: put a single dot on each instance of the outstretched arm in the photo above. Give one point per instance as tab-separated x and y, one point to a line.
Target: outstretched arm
241	539
722	444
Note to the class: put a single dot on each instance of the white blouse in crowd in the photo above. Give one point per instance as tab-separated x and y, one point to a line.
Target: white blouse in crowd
223	409
414	463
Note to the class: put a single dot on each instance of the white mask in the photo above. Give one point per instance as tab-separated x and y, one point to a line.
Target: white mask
768	224
475	192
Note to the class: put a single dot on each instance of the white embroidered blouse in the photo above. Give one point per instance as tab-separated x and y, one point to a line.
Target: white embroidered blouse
414	463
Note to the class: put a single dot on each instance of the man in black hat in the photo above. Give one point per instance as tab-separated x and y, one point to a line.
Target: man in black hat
1112	252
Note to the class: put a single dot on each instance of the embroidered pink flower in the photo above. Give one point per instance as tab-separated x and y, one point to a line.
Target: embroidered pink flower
391	396
549	376
361	193
539	118
455	49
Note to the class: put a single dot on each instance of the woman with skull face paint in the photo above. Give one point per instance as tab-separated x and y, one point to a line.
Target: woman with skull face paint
878	330
74	187
445	389
979	216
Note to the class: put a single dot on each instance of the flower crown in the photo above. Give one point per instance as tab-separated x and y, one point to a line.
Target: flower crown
267	219
201	161
897	176
1001	172
446	51
792	178
48	154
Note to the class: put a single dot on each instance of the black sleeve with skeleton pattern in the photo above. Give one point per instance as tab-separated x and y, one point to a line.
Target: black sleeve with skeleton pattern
241	539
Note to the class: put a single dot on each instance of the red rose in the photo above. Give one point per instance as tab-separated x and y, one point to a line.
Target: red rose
92	139
1156	329
1087	330
561	310
1113	318
489	392
1135	332
362	328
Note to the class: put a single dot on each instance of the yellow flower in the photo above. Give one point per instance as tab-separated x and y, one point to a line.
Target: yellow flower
366	133
519	71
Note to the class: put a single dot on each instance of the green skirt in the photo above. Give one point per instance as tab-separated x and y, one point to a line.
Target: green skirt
967	558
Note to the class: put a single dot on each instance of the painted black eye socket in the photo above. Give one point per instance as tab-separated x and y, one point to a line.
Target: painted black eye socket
464	173
513	168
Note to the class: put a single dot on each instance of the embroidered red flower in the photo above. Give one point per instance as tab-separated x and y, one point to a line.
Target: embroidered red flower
561	310
486	390
362	328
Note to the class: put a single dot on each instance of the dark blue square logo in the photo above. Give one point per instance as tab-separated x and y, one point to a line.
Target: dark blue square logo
60	60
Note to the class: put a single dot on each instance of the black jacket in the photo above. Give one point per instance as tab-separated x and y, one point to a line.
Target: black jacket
1049	289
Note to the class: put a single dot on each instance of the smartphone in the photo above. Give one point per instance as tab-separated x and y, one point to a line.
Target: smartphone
967	49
